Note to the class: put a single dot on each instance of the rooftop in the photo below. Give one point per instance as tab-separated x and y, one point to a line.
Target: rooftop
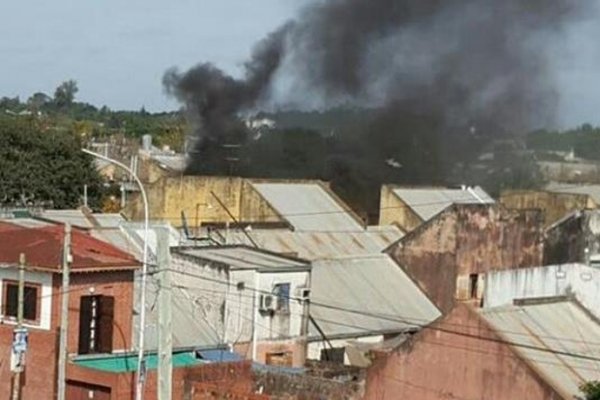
428	202
366	295
242	257
43	249
308	206
558	339
312	245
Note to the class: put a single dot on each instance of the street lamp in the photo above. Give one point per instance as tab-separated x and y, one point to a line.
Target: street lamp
139	393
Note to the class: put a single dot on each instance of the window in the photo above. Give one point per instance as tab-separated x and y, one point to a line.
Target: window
280	359
335	355
30	301
473	279
282	292
96	324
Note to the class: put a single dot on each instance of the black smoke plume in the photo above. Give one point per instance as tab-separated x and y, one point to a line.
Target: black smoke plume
442	78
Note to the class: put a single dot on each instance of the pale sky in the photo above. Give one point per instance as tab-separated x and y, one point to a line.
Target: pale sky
118	50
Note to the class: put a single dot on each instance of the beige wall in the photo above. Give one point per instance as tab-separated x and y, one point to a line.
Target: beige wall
169	196
554	205
392	210
253	207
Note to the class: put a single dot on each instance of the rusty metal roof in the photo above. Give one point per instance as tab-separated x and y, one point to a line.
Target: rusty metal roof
313	245
562	326
428	202
43	249
362	296
308	206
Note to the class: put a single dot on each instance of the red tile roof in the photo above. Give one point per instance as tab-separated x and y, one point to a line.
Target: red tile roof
43	249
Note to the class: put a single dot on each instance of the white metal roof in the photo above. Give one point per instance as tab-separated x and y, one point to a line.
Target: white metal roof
428	202
314	245
365	296
78	218
190	326
555	327
308	206
239	257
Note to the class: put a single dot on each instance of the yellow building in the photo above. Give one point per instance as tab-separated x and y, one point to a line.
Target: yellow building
204	200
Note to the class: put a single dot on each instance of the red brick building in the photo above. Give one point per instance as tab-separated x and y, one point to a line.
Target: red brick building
100	305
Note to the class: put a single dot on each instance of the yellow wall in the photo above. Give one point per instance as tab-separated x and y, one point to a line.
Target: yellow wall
392	210
554	205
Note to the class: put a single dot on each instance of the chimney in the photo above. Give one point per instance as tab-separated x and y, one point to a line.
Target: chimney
147	142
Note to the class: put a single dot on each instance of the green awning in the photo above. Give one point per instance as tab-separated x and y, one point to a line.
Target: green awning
118	363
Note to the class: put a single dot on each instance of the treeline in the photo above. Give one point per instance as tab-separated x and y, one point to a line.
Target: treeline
62	112
584	141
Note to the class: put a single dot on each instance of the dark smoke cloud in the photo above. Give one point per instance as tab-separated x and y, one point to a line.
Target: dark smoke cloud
441	69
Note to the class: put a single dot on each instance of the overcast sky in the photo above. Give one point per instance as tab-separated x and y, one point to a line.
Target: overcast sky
118	50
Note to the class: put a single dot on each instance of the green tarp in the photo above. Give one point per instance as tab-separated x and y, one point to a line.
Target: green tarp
118	363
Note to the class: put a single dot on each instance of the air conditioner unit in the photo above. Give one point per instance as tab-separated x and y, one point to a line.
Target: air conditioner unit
267	302
302	293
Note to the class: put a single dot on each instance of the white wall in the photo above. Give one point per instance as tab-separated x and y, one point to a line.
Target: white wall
207	296
502	287
240	306
314	348
41	278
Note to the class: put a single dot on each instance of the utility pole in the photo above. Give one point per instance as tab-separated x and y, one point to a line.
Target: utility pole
16	392
165	327
64	314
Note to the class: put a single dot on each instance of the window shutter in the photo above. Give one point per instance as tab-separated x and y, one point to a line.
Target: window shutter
106	306
30	301
11	300
85	322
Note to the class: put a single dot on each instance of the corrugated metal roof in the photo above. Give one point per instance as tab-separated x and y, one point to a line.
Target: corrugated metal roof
73	217
368	285
43	249
313	245
560	326
308	206
591	190
190	326
240	257
428	202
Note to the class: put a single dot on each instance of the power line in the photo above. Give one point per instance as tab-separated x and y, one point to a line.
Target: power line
368	330
415	325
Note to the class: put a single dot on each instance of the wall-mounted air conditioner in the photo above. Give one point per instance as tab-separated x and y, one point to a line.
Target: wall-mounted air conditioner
267	302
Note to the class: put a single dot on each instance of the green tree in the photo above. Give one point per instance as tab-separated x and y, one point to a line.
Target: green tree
64	95
40	167
591	390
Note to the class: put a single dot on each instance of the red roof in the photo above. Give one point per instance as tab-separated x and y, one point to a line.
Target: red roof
43	249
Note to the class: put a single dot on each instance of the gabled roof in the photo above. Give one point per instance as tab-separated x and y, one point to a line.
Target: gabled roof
428	202
43	249
559	340
242	257
362	296
308	206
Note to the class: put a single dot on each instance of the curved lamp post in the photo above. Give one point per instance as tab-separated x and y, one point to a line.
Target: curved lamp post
139	392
